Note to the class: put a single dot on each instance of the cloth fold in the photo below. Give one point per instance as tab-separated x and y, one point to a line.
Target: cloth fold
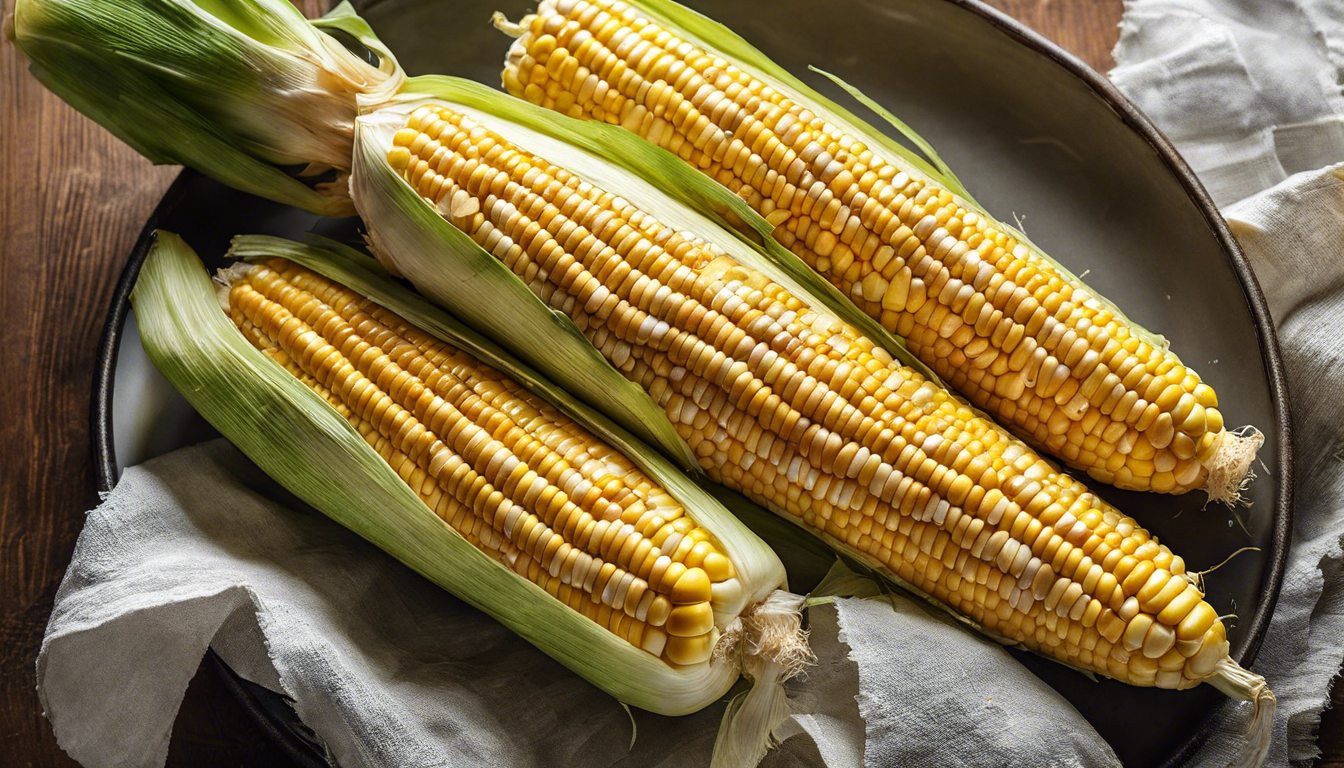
1247	90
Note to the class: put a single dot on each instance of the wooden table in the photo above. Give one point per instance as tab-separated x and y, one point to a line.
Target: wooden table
73	201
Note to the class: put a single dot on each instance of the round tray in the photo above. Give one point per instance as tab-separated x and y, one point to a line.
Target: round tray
1036	135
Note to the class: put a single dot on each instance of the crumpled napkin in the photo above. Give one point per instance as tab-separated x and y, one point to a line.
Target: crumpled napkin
1294	237
1249	92
191	550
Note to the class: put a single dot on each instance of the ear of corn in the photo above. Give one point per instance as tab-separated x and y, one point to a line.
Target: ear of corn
475	284
1009	328
459	471
239	91
781	400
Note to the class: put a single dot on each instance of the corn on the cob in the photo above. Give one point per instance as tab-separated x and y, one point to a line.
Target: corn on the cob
800	412
579	528
1019	337
520	481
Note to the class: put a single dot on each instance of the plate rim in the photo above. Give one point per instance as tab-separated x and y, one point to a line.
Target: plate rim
1101	87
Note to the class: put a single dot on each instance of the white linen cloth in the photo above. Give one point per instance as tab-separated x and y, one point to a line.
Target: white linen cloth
1249	92
388	670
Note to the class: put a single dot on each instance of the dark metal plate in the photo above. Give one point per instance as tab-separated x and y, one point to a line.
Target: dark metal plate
1035	134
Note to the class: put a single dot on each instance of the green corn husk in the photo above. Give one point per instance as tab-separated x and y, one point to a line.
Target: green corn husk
297	438
237	89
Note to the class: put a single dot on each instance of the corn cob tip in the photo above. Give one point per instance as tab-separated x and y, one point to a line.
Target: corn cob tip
1230	468
770	631
521	33
379	252
1244	685
768	642
225	278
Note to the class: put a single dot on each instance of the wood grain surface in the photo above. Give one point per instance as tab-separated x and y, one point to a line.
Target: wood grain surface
73	200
